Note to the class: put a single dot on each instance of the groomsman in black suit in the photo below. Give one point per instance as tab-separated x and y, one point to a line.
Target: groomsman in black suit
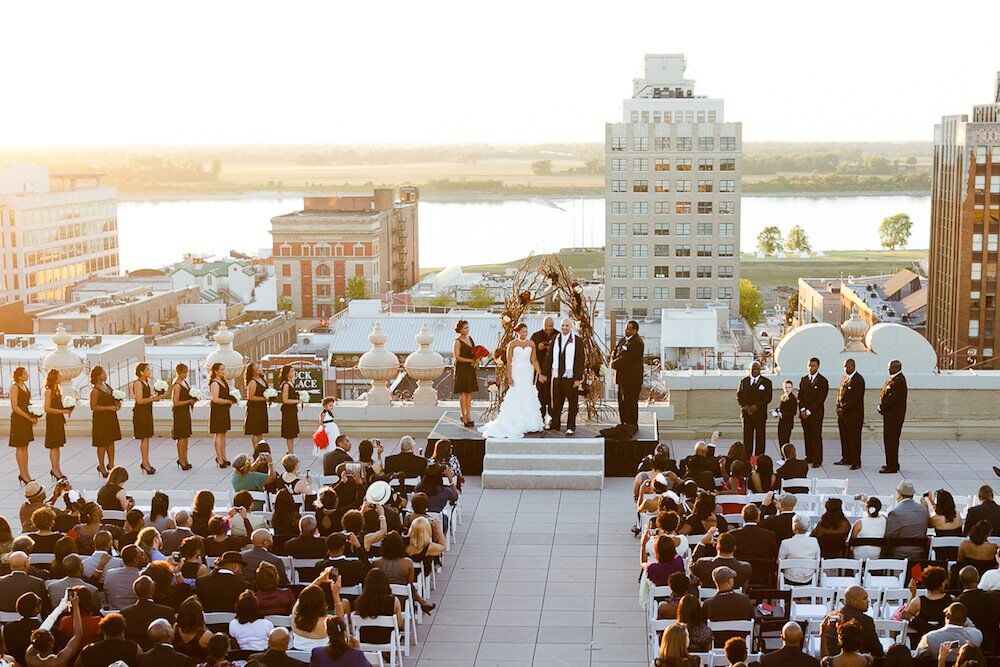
813	388
753	396
892	407
627	364
850	415
543	343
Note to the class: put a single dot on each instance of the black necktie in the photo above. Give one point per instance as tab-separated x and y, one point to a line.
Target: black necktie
562	357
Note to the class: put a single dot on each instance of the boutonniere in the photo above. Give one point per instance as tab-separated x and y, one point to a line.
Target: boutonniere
624	348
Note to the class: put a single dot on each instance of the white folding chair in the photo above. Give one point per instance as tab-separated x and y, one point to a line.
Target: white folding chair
392	647
830	486
812	603
447	533
9	616
889	601
113	515
656	593
657	626
832	572
744	628
808	503
890	632
218	617
893	569
705	658
405	593
303	564
944	543
732	499
279	621
306	656
375	658
41	558
262	497
798	483
797	564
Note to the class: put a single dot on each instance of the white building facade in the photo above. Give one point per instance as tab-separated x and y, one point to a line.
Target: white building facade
672	192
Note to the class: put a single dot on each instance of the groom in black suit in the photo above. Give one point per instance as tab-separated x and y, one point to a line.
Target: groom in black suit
753	396
813	388
565	358
627	363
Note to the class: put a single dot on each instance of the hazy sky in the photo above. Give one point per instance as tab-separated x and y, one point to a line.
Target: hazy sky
348	71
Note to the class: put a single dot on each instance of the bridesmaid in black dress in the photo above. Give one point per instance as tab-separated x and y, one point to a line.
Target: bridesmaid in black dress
21	422
255	420
180	397
105	430
466	383
55	421
218	419
289	409
788	407
142	413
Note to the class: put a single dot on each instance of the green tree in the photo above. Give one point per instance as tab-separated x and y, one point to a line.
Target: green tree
769	240
441	300
797	240
284	303
791	308
895	231
479	297
751	303
542	167
911	160
357	288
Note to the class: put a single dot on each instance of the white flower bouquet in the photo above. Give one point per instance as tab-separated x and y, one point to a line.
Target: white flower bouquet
161	386
304	396
69	402
493	388
195	393
235	395
36	410
270	393
118	395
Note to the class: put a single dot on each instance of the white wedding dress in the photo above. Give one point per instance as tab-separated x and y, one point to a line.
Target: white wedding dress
520	411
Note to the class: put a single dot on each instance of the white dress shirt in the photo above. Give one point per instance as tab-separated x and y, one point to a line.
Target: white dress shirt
569	351
799	545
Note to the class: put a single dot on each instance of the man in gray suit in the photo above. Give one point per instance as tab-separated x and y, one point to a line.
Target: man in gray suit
908	519
260	550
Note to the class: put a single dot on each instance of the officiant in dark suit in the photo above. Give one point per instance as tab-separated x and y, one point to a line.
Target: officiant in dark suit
754	394
543	343
850	415
564	368
626	360
813	389
892	407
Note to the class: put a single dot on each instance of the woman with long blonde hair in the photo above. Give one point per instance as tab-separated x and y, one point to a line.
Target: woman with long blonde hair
421	545
21	422
674	649
55	421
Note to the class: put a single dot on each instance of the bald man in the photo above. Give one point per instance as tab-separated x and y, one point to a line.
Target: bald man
855	606
543	343
19	582
790	654
754	394
892	407
260	551
163	654
276	654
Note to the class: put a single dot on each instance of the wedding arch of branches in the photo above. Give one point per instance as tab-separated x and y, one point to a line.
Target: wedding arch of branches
533	284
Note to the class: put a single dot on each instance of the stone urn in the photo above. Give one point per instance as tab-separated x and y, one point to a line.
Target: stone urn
64	360
854	329
424	365
378	365
225	354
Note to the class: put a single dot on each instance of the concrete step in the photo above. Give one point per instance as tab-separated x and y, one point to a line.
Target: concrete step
550	479
553	446
546	461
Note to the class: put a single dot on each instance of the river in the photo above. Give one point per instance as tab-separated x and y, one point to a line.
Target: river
153	234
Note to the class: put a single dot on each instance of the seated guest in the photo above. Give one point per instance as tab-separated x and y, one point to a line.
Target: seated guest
673	651
850	637
832	530
41	651
285	519
138	616
65	546
352	572
983	607
353	523
260	552
419	504
159	512
216	652
112	495
310	614
666	523
977	550
34	499
247	518
118	582
172	537
272	600
169	587
190	556
800	546
926	612
19	582
736	652
291	478
135	521
667	562
399	569
377	600
90	614
854	610
763	478
990	580
249	629
337	455
439	495
149	541
163	653
957	629
190	634
700	464
907	520
420	546
328	512
276	654
306	544
221	541
246	479
986	509
781	523
691	616
792	467
752	541
202	510
406	464
703	568
113	645
17	634
99	562
945	519
727	604
703	517
72	566
680	586
790	654
870	526
340	650
219	590
449	463
735	484
45	538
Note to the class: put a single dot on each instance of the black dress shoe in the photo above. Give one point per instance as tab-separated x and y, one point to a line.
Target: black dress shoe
855	466
996	471
841	462
817	465
886	470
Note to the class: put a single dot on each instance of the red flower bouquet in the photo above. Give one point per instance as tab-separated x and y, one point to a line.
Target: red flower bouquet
479	353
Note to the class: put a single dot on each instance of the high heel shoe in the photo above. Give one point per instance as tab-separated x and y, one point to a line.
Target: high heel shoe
183	466
222	464
149	471
56	477
23	481
102	471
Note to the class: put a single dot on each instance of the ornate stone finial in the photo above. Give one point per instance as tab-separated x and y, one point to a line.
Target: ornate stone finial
378	365
225	354
854	330
69	364
424	365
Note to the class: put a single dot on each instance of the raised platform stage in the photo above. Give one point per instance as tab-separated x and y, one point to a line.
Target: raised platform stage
620	457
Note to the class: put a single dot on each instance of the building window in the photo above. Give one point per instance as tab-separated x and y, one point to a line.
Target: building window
618	272
286	290
640	272
704	207
973	328
323	270
683	229
656	116
661	250
704	250
726	228
974	300
706	143
640	144
683	143
682	293
661	293
711	116
683	207
619	228
703	271
640	208
682	186
981	154
682	250
619	208
640	229
991	243
661	229
725	272
322	289
661	186
619	186
729	164
640	293
705	164
704	293
638	313
727	143
726	250
977	271
645	116
618	250
640	186
286	270
704	186
725	293
661	207
727	186
701	116
640	250
727	207
704	228
684	164
661	271
661	164
635	117
977	242
640	164
617	143
618	293
663	143
619	164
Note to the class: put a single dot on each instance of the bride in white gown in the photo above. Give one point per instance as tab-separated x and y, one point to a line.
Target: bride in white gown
520	411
